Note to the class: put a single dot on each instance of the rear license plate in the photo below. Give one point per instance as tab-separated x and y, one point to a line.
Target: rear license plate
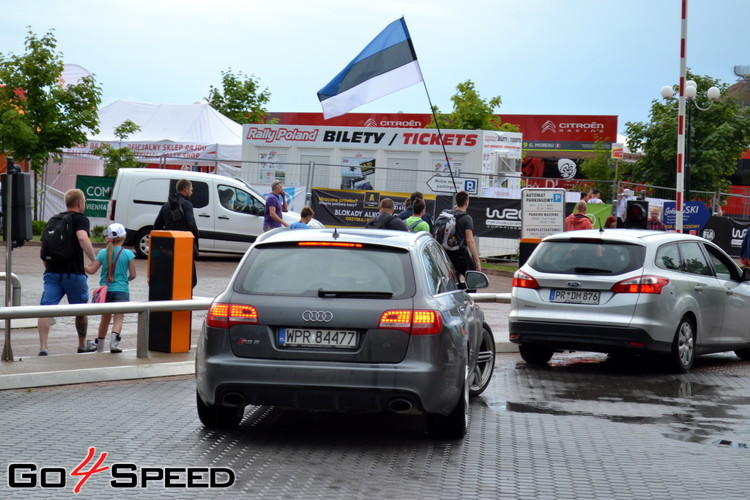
311	337
574	297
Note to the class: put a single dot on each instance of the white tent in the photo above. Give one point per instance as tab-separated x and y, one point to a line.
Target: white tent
177	131
175	134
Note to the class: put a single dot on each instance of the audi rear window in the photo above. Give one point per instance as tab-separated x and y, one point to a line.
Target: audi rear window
294	270
587	257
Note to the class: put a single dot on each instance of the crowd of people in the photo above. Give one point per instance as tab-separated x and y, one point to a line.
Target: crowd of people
66	277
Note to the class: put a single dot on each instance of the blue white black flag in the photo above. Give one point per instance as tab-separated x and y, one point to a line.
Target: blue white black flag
386	65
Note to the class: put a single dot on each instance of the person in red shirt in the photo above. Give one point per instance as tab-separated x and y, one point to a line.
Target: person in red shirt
578	220
654	223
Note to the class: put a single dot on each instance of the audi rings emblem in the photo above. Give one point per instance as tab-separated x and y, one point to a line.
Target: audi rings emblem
318	316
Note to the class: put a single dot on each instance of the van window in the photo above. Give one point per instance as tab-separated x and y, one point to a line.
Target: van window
237	200
200	192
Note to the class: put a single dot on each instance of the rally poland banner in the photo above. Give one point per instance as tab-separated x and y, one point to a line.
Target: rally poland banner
385	139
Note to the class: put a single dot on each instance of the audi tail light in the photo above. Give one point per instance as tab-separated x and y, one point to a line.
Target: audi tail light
524	280
413	322
223	315
641	284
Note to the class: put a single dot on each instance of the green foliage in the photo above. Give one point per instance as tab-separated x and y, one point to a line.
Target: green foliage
239	98
120	157
471	112
602	168
37	226
38	116
718	138
97	233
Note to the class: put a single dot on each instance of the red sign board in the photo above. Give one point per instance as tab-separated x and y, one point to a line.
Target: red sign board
537	128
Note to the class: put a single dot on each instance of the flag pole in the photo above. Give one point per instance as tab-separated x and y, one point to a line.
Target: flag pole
440	134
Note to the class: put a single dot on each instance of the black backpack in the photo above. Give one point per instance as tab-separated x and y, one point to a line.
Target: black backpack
445	230
377	223
58	239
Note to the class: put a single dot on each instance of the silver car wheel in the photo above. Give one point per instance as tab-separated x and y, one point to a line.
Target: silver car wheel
683	350
485	366
141	244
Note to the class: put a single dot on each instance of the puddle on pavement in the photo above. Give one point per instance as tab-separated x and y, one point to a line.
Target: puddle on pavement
686	409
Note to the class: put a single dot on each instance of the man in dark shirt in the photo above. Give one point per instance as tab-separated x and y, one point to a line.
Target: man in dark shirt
177	215
385	219
409	210
465	258
68	278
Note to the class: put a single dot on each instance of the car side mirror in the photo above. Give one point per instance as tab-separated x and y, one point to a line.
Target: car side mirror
476	280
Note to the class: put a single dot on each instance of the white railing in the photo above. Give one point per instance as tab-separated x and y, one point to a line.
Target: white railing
142	308
503	298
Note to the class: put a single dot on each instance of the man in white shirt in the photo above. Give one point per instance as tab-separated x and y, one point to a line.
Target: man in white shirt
594	196
622	203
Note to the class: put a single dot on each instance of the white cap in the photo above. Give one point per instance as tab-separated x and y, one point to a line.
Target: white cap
627	192
115	230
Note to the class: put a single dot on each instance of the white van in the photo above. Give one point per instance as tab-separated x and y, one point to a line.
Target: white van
139	193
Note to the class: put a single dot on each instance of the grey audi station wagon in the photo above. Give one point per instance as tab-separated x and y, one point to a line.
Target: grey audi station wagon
345	320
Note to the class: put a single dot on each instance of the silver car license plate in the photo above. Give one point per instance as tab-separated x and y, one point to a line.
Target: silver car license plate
312	337
574	297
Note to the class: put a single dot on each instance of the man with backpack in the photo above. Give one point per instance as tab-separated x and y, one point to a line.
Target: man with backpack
385	219
64	242
454	230
177	215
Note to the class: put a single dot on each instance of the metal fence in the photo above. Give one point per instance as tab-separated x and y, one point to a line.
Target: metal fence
399	175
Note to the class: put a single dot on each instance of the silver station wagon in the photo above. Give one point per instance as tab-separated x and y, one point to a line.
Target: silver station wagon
630	291
345	320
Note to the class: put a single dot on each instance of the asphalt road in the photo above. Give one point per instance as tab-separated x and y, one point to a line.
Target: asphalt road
583	427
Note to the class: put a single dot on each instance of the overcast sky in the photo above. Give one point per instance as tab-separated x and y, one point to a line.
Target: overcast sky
578	57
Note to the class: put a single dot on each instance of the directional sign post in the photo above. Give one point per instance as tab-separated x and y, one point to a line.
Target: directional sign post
444	184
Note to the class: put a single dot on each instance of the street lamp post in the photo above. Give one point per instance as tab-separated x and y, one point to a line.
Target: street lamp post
691	92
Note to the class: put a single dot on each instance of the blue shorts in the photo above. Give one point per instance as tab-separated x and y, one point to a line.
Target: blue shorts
118	296
57	285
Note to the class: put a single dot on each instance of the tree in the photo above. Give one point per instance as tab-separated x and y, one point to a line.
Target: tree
39	116
120	157
601	168
471	112
240	98
718	138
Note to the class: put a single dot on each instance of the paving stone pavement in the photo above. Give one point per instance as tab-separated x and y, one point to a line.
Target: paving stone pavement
581	428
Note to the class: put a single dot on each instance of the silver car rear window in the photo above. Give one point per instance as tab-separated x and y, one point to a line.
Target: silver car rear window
587	257
302	271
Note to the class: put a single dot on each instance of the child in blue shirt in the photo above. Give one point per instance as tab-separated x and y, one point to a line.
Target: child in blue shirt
116	278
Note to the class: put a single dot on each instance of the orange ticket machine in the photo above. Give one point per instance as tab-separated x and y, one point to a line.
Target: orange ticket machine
170	277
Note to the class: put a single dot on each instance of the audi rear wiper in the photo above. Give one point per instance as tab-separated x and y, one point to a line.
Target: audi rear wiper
354	294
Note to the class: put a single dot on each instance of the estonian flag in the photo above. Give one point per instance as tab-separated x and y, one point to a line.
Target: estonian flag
386	65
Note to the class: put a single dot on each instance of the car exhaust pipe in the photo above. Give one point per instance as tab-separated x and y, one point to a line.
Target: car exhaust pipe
400	405
233	399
